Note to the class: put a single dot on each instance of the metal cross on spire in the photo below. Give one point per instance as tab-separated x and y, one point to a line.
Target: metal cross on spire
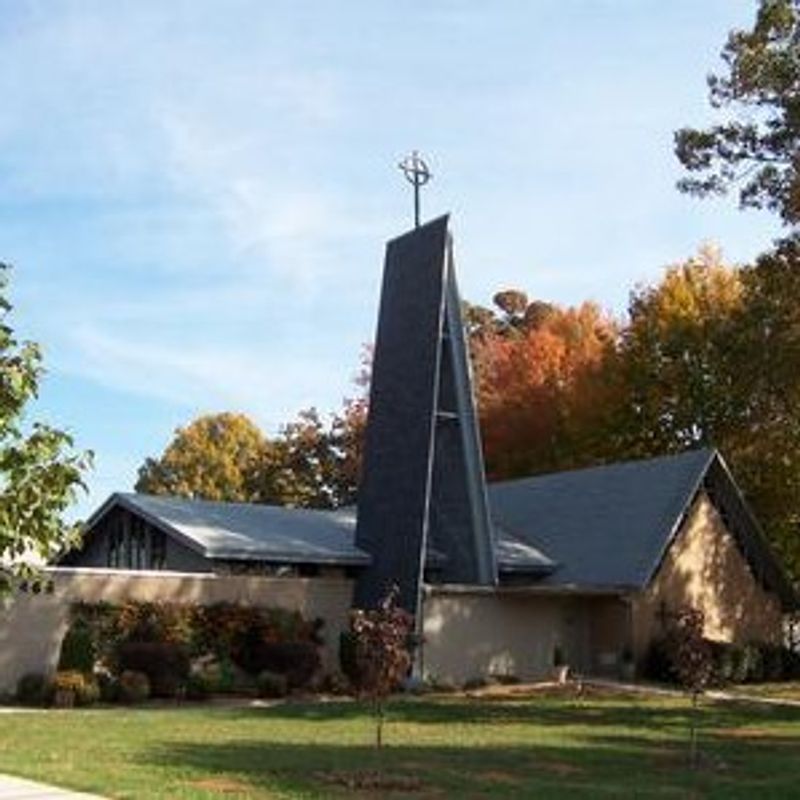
417	173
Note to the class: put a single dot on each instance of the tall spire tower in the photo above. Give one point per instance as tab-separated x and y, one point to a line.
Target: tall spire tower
423	489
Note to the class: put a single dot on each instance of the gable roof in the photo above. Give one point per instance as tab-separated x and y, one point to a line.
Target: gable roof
257	532
603	526
606	527
610	526
248	531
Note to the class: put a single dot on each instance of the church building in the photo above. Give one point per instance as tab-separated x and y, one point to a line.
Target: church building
588	563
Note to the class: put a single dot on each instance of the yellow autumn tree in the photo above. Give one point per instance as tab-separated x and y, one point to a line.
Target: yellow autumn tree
214	458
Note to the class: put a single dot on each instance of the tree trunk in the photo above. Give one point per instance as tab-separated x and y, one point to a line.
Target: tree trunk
379	724
693	731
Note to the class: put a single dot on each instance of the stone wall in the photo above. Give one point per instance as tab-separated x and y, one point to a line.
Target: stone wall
32	626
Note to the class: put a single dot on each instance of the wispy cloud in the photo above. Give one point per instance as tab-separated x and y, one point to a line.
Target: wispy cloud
197	193
271	388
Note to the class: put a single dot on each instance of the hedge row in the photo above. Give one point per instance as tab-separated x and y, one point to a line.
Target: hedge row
162	642
750	663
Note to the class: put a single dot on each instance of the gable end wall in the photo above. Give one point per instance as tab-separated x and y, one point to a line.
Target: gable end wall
705	568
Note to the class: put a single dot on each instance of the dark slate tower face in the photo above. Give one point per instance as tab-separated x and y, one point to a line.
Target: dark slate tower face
423	480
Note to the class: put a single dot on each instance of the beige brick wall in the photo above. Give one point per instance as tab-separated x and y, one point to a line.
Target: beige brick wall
32	626
705	569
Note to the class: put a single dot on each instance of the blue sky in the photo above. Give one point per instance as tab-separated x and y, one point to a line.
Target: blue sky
196	195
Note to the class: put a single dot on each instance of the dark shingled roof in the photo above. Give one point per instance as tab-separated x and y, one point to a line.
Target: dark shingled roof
610	526
605	526
249	531
255	532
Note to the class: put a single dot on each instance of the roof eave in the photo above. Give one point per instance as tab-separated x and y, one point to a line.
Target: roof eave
526	569
677	523
354	560
531	589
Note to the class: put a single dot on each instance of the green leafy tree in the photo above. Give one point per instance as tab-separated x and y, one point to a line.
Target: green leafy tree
40	472
314	462
711	356
215	457
765	446
756	145
675	360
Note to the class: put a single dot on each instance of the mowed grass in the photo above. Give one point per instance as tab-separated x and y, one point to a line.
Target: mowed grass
601	746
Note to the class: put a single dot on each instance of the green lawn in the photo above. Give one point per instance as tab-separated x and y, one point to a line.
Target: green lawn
544	747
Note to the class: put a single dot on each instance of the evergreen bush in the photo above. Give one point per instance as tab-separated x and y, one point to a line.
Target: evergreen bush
166	665
134	687
78	650
33	689
272	684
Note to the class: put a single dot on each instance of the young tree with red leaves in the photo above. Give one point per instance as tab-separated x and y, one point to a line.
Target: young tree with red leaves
382	653
692	663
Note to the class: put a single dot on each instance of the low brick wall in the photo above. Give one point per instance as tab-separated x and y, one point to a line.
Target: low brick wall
32	626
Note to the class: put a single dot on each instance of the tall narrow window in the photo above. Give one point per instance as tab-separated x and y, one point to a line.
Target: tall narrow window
138	543
116	542
111	538
158	549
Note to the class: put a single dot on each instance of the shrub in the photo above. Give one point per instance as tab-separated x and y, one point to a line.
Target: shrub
478	682
134	687
271	684
107	686
336	683
232	630
298	661
772	660
197	687
157	638
64	688
791	664
78	651
723	663
348	656
658	664
33	689
740	664
165	664
755	663
221	676
83	689
153	622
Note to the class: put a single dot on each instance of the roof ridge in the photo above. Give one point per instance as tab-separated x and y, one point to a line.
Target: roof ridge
201	501
685	454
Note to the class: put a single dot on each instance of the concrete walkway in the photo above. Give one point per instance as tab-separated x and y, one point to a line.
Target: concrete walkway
711	694
19	789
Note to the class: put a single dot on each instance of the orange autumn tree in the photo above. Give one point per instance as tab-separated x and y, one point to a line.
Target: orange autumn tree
544	380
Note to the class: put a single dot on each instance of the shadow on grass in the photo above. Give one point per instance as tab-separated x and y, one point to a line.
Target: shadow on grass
602	750
619	768
593	713
320	770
